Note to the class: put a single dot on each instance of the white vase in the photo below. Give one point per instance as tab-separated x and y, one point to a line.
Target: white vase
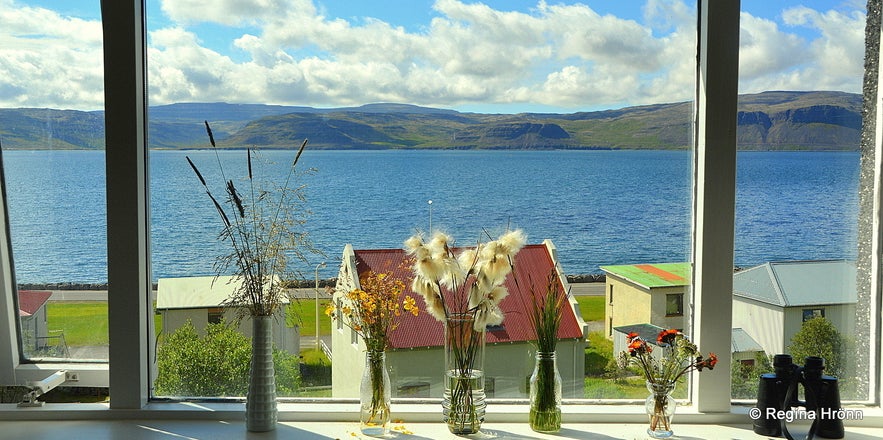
260	404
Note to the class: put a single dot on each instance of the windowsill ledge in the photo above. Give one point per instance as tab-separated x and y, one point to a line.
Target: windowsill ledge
412	413
220	429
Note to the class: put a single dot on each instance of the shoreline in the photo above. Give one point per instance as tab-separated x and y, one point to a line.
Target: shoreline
573	279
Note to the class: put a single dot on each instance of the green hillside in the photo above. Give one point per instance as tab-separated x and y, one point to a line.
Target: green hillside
766	121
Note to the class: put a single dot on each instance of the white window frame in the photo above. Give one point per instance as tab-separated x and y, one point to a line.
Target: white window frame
129	371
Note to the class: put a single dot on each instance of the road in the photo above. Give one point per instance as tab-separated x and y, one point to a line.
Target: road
578	289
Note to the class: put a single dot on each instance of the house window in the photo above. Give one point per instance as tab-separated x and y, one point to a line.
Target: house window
611	295
813	313
56	195
674	304
339	321
807	258
215	315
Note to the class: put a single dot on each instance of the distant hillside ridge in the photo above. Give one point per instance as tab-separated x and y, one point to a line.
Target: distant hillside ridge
775	120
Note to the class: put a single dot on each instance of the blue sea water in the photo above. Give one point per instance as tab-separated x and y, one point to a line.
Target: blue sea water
598	207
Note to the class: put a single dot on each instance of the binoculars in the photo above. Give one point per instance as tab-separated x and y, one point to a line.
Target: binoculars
777	399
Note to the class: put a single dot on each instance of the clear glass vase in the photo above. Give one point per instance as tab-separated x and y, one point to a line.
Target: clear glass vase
660	406
545	394
463	402
260	403
374	395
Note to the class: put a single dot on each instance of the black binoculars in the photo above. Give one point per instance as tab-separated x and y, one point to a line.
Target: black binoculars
777	399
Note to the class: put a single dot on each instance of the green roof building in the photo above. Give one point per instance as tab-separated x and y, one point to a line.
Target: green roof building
646	294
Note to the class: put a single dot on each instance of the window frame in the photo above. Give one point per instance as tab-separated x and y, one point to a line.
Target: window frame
678	302
129	371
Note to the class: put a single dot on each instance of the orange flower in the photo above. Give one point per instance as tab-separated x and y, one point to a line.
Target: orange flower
631	337
667	336
707	363
639	346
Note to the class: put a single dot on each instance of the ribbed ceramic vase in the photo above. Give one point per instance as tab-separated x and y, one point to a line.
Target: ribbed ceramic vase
463	401
260	404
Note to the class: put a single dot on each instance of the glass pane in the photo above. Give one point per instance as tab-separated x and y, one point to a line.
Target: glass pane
52	134
795	289
571	121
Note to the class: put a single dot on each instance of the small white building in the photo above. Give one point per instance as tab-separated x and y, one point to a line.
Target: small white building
200	300
33	317
416	359
773	300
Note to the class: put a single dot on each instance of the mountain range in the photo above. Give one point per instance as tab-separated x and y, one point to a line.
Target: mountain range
776	120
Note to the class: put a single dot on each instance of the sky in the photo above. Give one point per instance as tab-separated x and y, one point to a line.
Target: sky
492	56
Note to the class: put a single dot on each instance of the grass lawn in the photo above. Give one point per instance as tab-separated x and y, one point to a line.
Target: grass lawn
628	388
591	307
303	313
83	323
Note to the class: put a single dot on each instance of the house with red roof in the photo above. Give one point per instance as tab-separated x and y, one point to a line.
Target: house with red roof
32	314
416	359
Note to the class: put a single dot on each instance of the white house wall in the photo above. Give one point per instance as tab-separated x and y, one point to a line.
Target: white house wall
285	338
763	322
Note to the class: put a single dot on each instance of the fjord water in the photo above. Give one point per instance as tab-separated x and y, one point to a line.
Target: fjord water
598	207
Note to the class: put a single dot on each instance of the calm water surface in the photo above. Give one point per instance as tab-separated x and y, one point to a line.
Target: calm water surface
598	207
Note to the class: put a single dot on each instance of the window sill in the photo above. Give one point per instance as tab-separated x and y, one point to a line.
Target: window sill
580	417
164	429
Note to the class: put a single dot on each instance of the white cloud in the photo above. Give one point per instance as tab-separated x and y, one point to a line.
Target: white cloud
38	45
561	56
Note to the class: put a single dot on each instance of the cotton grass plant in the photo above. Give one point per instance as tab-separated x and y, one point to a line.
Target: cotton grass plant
470	282
463	291
264	226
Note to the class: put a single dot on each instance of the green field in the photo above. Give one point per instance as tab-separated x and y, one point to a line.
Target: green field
303	313
591	307
83	323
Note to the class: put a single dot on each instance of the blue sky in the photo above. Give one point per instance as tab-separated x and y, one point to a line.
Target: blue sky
492	56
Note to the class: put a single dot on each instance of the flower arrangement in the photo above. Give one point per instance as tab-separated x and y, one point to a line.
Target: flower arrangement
371	311
468	283
680	356
464	292
262	228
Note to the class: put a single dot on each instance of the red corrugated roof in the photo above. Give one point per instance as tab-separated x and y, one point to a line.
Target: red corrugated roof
29	301
533	262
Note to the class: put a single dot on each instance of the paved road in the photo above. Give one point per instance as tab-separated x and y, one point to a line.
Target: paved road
101	295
